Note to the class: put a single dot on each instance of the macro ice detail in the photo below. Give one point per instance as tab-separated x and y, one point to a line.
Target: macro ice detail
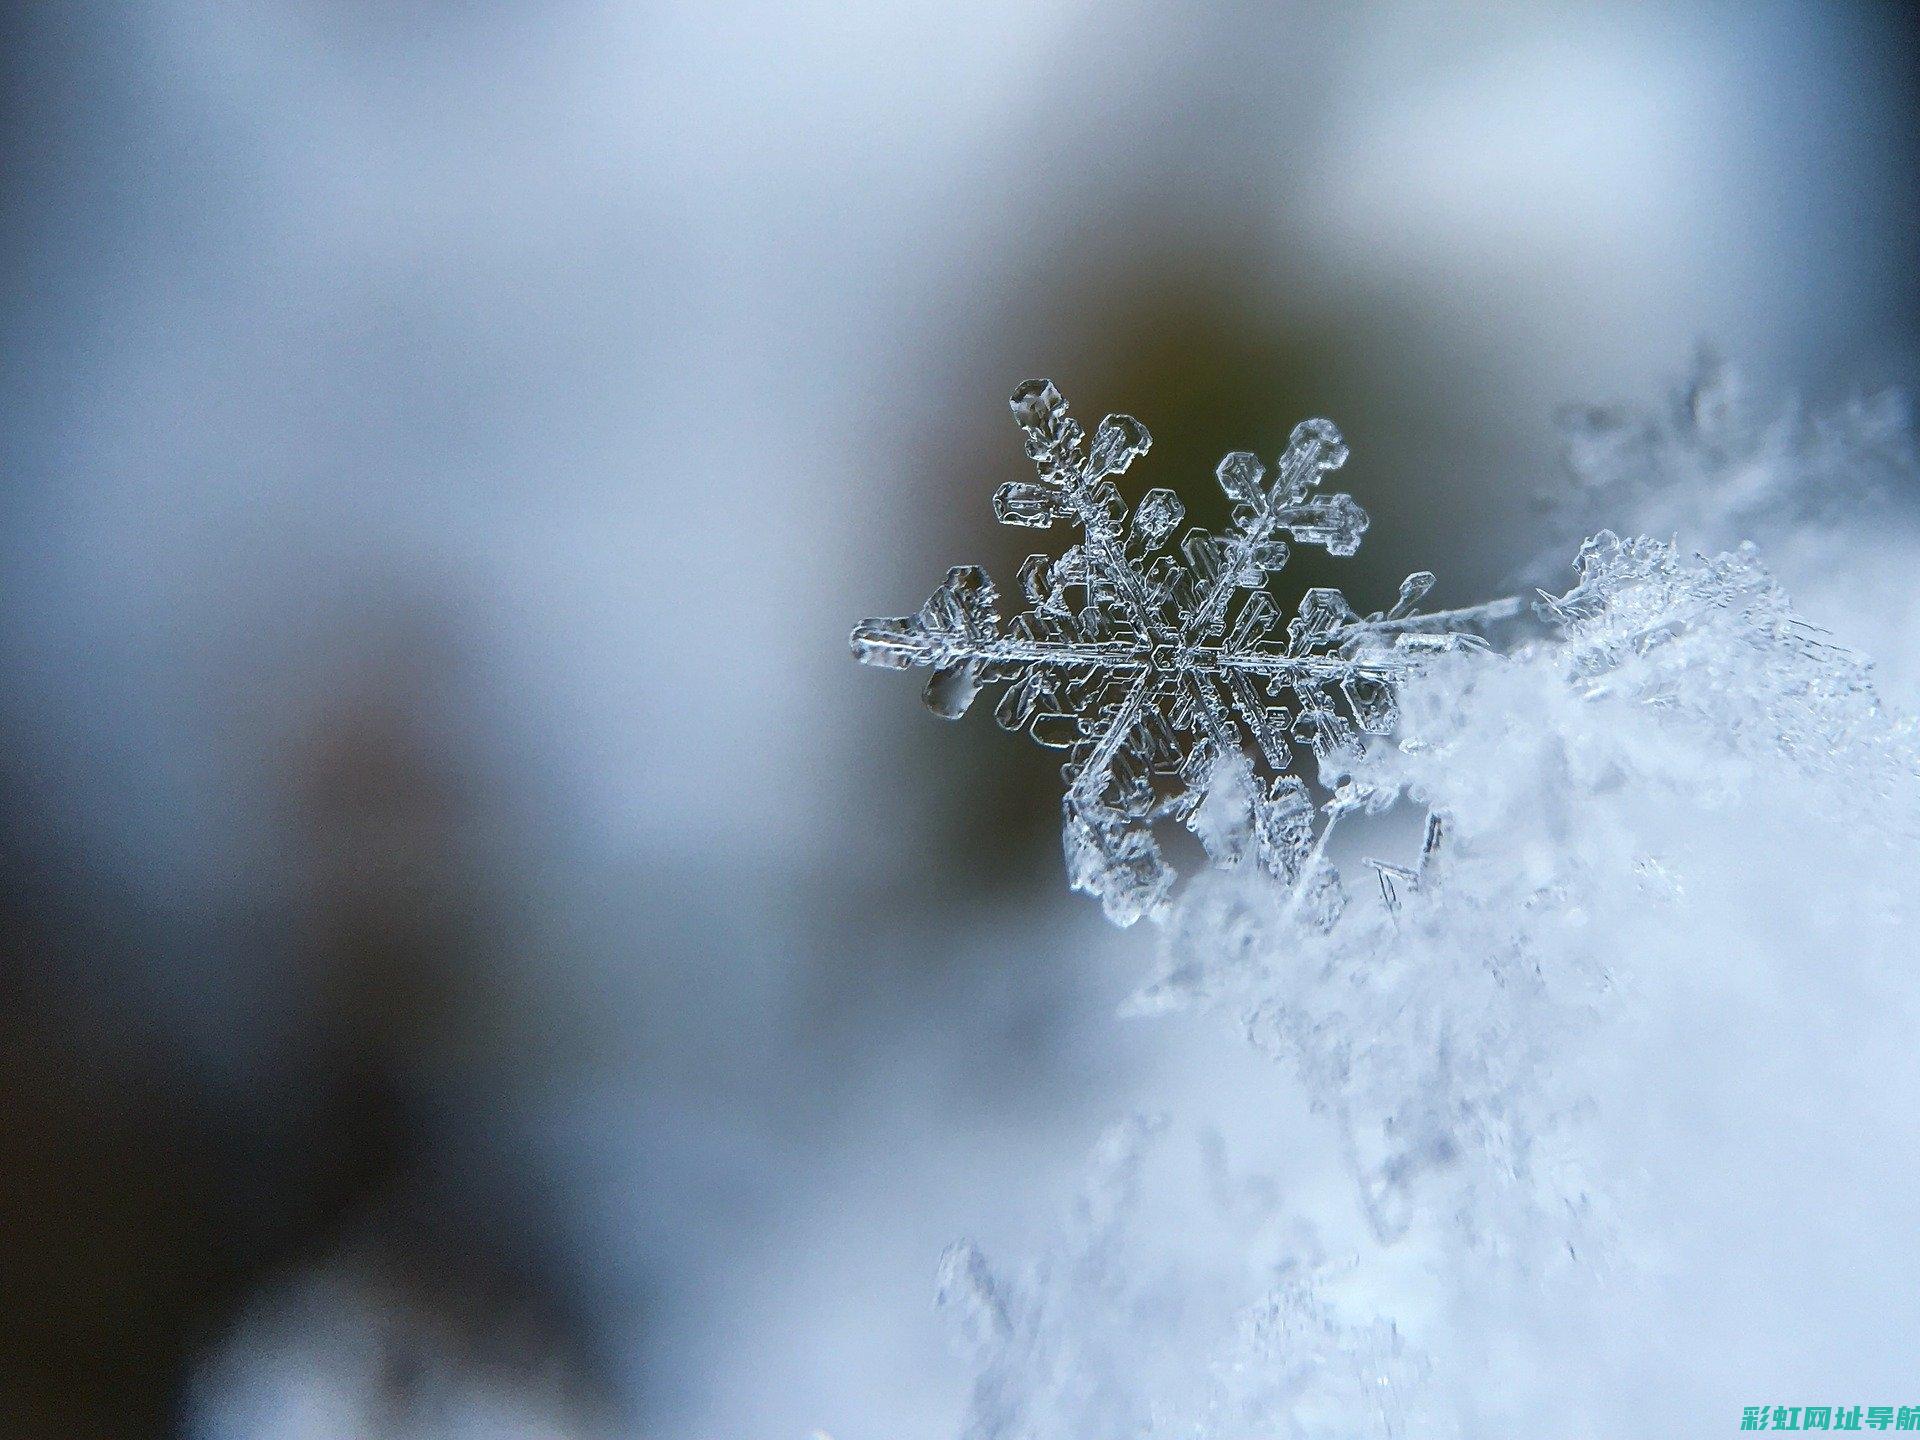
1167	673
1677	822
1653	940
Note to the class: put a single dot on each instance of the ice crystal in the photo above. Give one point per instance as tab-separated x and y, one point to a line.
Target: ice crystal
1648	958
1718	463
1168	673
1096	1336
1825	492
1667	812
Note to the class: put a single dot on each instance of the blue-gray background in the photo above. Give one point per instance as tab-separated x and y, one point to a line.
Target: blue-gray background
451	865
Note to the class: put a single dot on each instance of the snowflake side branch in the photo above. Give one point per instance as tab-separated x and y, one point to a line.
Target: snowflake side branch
1447	620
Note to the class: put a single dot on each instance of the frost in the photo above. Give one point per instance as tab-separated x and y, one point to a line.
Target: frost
1628	1028
1675	803
1095	1336
1716	463
1164	675
1826	493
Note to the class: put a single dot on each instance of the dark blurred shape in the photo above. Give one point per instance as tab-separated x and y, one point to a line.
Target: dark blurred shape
115	1250
143	1226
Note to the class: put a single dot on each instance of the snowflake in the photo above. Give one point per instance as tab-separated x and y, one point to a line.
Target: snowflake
1167	676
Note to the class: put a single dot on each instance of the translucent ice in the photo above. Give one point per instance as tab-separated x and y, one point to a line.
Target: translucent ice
1151	667
1631	1026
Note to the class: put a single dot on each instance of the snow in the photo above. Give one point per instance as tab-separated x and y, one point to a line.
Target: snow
1613	1086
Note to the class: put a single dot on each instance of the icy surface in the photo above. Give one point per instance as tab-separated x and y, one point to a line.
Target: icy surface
1164	673
1668	876
1825	492
1717	462
1615	1083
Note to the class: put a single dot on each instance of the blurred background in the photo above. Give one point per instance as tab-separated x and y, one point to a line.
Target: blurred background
476	955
